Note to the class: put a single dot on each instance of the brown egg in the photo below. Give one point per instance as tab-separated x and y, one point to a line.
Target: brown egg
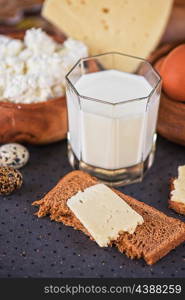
172	71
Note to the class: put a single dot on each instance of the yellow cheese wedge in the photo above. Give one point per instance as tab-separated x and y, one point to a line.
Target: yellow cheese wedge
129	26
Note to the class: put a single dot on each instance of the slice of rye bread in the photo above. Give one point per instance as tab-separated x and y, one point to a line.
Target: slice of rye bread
152	240
179	207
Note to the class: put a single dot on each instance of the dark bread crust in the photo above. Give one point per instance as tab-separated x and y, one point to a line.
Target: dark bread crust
176	206
55	202
152	240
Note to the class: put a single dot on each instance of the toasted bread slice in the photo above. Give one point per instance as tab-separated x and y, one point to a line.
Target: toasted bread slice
152	240
179	207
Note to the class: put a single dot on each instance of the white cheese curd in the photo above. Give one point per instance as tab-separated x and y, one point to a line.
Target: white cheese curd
39	42
14	47
34	70
2	84
4	78
45	80
58	90
25	54
2	66
75	48
18	86
51	66
14	65
9	47
11	65
26	89
3	43
4	39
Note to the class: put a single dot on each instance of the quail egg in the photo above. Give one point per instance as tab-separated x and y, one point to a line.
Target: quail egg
13	155
10	180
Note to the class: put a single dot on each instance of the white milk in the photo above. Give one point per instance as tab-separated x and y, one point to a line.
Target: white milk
107	134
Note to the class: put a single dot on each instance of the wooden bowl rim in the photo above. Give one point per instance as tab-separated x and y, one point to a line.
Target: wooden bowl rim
31	105
161	51
173	102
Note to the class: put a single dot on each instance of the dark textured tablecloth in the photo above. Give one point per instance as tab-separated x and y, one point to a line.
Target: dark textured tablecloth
32	247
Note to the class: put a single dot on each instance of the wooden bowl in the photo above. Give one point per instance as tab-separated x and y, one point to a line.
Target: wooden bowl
171	118
35	123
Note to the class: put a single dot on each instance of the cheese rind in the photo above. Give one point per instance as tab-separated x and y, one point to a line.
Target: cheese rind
178	194
132	27
103	213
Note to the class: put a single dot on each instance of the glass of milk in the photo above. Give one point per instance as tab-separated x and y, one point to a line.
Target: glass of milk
112	102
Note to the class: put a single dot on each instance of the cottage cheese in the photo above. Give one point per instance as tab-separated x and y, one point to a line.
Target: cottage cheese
9	47
34	70
37	40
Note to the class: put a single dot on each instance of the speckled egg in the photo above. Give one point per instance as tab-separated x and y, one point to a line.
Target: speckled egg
13	155
10	180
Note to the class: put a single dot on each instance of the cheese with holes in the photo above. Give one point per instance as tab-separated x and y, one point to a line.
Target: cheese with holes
103	213
178	194
129	26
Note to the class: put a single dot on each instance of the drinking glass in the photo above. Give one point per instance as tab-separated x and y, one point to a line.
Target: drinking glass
114	140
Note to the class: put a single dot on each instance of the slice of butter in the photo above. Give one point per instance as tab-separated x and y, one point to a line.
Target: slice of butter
103	213
178	194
